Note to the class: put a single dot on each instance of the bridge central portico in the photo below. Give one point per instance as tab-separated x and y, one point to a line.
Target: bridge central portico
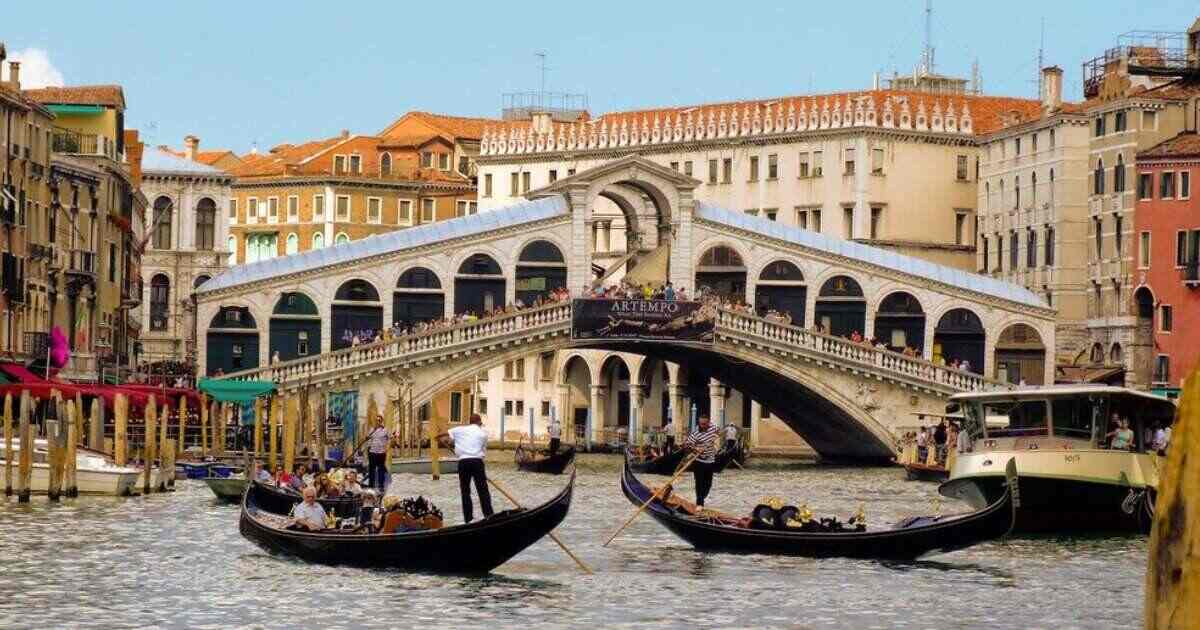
295	319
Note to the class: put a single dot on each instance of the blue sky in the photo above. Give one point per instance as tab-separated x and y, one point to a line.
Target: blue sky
238	73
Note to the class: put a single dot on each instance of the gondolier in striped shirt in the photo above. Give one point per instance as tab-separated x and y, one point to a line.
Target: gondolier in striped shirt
703	441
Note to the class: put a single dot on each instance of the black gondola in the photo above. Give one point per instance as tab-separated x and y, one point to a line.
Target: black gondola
280	501
668	463
471	548
909	540
533	460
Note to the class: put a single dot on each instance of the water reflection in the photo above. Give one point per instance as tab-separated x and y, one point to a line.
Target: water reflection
177	559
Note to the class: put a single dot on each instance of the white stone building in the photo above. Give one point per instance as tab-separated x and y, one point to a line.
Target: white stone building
184	247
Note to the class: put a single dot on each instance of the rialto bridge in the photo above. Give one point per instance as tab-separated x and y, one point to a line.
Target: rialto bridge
294	319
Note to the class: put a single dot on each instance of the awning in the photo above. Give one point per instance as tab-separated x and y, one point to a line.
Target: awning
76	109
235	391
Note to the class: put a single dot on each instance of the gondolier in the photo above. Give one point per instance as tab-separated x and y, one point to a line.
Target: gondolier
470	446
731	436
377	456
555	431
703	441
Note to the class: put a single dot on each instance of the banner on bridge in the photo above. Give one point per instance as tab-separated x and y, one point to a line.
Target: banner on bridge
645	320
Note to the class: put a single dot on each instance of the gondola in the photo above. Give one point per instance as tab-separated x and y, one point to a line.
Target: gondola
470	548
925	472
912	538
668	463
533	460
280	501
227	489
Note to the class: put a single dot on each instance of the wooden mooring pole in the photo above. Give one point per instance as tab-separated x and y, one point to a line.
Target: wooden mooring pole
166	450
25	470
148	445
54	444
120	429
8	449
70	470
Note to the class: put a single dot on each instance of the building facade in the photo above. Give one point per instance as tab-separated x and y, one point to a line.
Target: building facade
186	245
1137	97
95	207
1167	251
25	201
1033	215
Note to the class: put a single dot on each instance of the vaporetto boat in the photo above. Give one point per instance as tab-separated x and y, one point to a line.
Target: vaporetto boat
95	472
1060	436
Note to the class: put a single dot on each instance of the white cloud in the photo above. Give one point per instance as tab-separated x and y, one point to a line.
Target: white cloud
36	69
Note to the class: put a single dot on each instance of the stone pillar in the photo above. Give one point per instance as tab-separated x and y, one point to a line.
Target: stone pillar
682	271
716	397
565	412
755	419
598	410
869	320
636	395
579	269
679	410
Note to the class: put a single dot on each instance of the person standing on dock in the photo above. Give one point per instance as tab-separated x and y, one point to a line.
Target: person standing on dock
377	456
470	446
555	431
731	436
703	441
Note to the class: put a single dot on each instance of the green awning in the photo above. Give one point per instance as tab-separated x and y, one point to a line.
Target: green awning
235	391
76	109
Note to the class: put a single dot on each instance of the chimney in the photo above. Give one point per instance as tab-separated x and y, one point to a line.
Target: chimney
191	146
14	74
345	133
1051	89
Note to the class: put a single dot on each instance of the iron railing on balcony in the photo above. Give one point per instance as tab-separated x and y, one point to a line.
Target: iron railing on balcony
82	261
1191	273
76	142
36	343
1153	53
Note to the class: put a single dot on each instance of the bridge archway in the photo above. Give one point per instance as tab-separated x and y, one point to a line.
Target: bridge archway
232	341
541	268
576	376
295	327
479	285
781	287
1020	355
721	269
841	307
900	322
960	336
357	312
615	377
418	297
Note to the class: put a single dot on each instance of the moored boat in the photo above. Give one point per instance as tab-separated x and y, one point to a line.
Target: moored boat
541	461
470	548
227	489
95	472
1071	478
710	530
280	501
424	466
668	463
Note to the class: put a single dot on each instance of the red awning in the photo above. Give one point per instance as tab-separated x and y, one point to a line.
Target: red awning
171	394
43	390
20	373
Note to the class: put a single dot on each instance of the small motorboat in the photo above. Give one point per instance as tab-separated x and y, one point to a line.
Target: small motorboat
925	472
280	501
710	530
193	470
470	548
424	466
541	461
95	472
222	470
227	489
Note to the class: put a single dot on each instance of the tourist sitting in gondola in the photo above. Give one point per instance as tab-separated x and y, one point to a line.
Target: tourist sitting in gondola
350	484
308	515
326	487
261	474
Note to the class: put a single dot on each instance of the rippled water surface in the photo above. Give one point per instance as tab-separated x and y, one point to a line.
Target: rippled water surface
177	559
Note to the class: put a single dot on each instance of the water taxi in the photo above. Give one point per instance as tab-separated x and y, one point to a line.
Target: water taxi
95	472
1063	438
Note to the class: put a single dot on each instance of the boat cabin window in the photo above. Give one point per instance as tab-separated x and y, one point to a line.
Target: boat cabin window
1022	418
1073	416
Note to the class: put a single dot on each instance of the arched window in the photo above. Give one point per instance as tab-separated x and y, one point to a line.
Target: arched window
1033	188
231	245
162	223
1098	179
341	239
1017	192
1097	353
206	224
200	280
385	164
987	194
318	240
160	292
1114	354
293	244
1119	174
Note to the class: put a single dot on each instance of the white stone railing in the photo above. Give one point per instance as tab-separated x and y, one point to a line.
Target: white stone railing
937	114
859	354
465	336
438	341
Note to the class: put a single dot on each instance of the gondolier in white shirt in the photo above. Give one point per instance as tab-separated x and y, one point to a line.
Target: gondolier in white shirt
377	445
555	431
703	441
469	442
731	436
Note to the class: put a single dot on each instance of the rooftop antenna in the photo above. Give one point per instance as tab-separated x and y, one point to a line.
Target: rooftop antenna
927	54
541	55
1041	56
976	79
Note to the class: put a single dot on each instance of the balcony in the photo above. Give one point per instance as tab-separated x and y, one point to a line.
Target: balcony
1191	274
36	344
78	143
131	292
83	262
13	270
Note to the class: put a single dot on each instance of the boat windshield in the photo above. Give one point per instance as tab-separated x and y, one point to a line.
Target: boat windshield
1015	418
1075	416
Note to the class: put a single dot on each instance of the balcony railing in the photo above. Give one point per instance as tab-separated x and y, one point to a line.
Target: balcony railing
36	343
79	143
82	261
1191	274
131	292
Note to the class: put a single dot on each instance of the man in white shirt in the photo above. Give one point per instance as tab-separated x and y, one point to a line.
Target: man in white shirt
377	446
470	446
309	514
731	436
555	431
261	475
669	435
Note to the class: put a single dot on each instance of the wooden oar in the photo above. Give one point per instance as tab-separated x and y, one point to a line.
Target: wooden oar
678	473
556	539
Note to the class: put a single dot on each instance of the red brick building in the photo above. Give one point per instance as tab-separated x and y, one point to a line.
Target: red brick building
1168	257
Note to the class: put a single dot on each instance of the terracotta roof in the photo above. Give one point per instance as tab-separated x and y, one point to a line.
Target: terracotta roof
456	127
212	157
416	139
987	112
1186	144
317	158
110	95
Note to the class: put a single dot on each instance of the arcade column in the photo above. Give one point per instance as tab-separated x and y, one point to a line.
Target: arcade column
636	397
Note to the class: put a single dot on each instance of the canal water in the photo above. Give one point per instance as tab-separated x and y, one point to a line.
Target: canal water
177	559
